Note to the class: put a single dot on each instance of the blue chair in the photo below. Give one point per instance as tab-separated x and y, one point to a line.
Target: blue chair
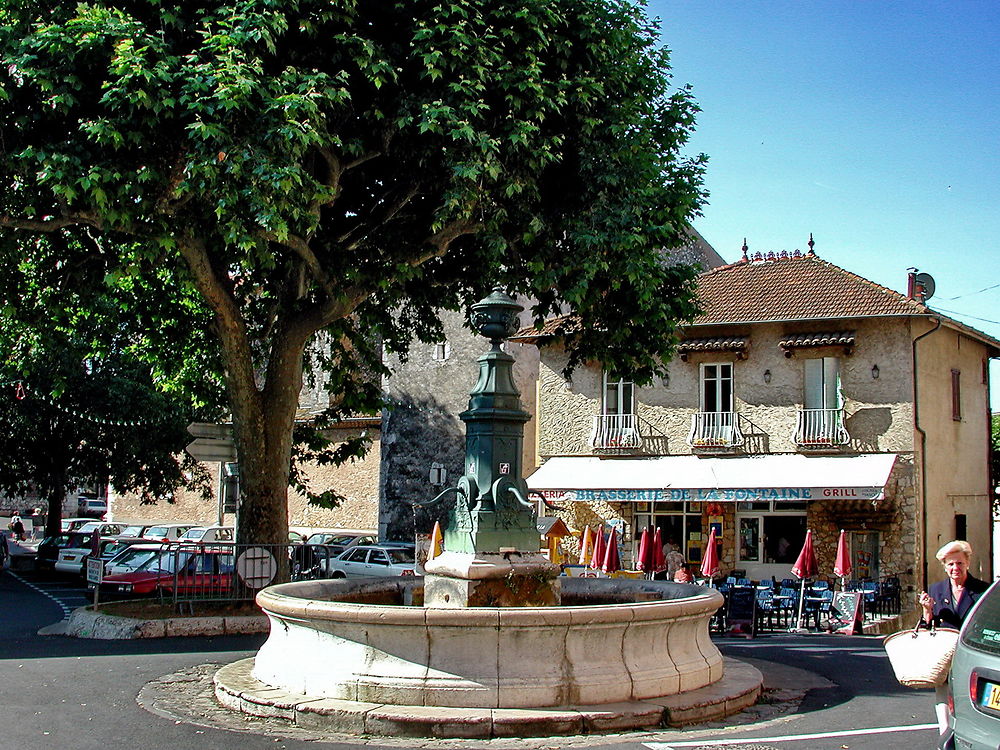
820	585
767	608
743	582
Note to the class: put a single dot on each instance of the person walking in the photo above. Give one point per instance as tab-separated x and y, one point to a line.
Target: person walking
17	528
4	551
948	602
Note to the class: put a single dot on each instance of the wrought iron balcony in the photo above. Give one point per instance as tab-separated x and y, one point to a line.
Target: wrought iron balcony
715	429
615	431
821	428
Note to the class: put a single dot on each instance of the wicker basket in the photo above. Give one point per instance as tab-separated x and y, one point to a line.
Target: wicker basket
921	658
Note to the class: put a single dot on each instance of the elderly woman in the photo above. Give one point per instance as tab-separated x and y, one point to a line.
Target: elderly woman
947	603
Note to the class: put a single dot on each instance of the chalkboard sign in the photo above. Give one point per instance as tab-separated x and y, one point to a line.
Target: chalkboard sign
846	610
742	611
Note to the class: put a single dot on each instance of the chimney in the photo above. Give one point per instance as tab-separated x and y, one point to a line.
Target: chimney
911	283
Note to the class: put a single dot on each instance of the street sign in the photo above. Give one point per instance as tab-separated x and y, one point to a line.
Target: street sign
95	570
213	442
206	449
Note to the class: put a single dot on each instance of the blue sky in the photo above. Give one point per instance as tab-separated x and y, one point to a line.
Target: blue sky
873	125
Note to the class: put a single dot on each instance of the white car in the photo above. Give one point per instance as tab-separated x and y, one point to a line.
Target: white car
103	527
371	560
208	534
132	558
167	532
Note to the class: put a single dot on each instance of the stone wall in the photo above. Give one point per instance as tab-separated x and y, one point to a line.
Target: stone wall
357	481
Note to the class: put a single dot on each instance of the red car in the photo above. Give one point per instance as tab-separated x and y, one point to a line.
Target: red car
189	570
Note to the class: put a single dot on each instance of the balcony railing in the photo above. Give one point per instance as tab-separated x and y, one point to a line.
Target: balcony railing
615	431
715	429
818	428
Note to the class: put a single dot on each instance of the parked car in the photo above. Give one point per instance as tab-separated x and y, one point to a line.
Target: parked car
187	569
371	560
167	532
72	524
208	534
135	529
974	699
95	507
50	546
104	528
338	541
133	557
72	559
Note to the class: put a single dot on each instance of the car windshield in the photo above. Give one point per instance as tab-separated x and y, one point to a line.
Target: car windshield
400	556
195	533
88	527
157	531
132	531
133	558
982	632
165	562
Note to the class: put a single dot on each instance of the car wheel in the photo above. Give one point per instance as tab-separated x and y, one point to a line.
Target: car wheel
338	574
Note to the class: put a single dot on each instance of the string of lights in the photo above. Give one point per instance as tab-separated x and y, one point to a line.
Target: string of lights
22	390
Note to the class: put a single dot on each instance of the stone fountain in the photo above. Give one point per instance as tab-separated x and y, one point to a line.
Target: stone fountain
488	643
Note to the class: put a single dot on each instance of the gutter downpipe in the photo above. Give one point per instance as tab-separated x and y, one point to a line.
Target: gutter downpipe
923	453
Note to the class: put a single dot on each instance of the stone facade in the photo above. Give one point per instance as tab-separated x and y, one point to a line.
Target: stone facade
937	489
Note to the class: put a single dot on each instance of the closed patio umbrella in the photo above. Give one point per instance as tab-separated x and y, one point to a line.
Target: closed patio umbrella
805	567
710	563
598	556
659	558
842	566
612	562
586	547
645	560
437	541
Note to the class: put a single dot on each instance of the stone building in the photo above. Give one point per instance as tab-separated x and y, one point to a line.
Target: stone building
422	437
804	397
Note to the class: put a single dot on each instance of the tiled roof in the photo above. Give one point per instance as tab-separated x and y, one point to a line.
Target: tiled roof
793	287
714	344
785	286
798	340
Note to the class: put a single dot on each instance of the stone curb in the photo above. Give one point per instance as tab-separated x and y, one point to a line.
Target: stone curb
85	623
236	689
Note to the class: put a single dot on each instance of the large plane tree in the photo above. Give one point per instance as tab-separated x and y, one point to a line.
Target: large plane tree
353	167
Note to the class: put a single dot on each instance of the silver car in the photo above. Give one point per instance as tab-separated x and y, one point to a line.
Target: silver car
974	701
371	560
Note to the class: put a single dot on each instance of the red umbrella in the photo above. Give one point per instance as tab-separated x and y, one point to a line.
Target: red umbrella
710	563
611	562
805	567
842	567
645	561
659	559
598	557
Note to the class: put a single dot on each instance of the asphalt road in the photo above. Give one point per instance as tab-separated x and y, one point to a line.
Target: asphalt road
60	692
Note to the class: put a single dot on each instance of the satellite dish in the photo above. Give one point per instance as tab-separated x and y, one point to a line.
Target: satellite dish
926	282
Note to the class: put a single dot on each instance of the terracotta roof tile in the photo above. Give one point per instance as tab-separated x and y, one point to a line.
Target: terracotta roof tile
784	287
798	340
714	344
794	287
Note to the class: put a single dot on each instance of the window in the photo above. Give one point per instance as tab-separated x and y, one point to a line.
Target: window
771	539
956	395
717	387
619	396
822	381
442	350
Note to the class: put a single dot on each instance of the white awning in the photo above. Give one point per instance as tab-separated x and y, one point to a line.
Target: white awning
790	476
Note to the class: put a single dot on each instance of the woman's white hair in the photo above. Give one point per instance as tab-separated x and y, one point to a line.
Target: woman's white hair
956	546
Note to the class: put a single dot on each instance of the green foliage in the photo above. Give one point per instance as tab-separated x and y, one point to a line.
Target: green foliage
353	166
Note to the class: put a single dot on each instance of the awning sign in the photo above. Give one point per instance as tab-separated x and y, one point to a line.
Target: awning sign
736	495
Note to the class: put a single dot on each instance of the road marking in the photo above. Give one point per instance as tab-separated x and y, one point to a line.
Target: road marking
709	742
66	609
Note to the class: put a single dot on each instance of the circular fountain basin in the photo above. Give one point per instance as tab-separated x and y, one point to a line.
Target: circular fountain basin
369	640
